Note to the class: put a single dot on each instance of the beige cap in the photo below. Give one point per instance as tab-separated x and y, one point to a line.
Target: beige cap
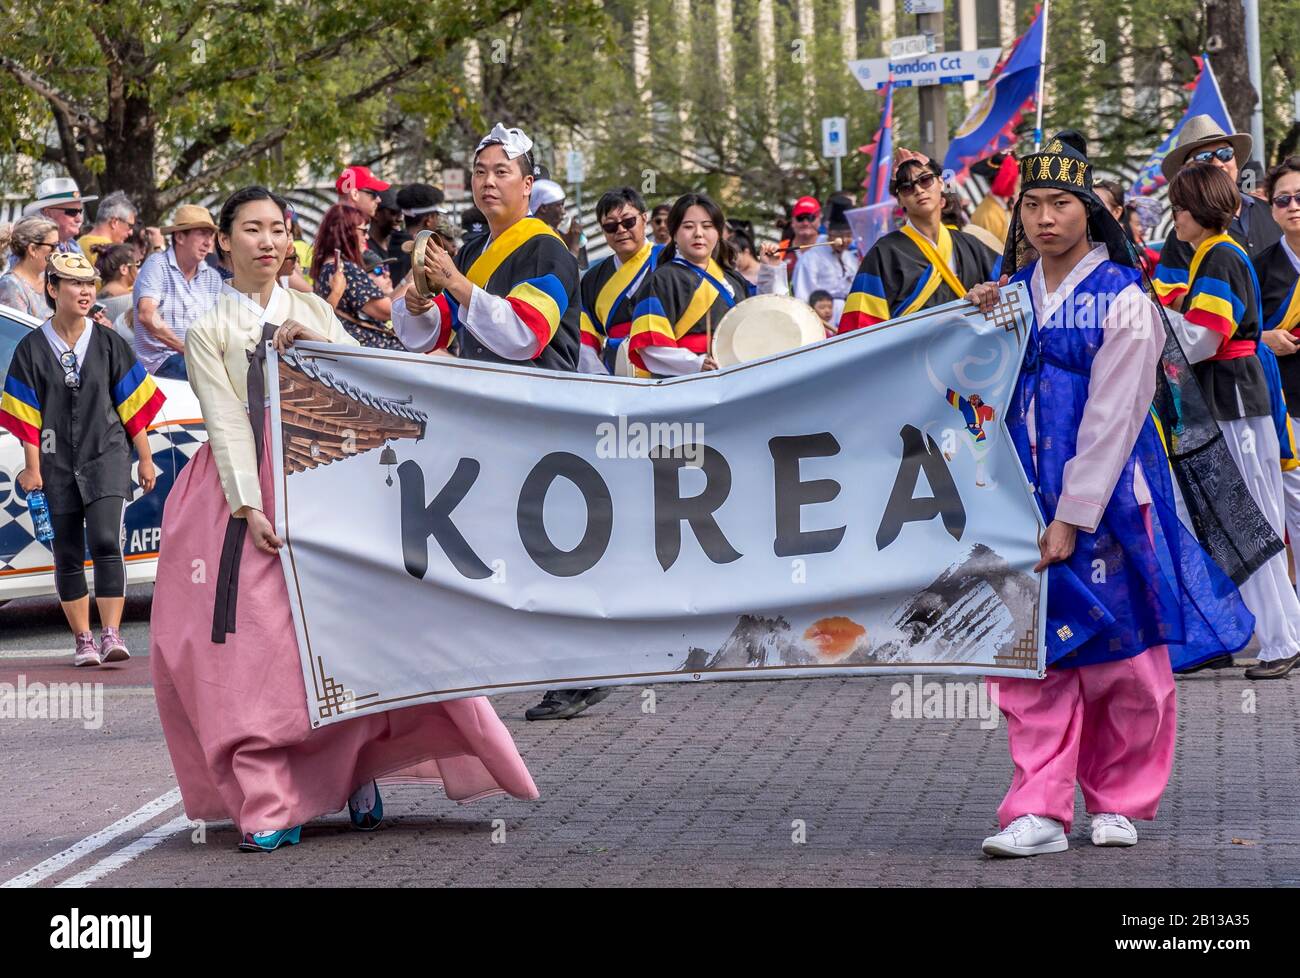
72	266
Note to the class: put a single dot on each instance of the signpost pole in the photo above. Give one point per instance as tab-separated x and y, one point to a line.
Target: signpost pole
933	98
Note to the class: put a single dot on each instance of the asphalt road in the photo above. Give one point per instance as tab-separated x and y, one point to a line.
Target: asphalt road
720	784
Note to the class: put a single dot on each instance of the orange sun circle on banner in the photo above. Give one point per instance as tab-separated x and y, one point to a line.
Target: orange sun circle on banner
834	637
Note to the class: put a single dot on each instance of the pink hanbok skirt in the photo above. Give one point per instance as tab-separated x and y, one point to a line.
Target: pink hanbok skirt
235	714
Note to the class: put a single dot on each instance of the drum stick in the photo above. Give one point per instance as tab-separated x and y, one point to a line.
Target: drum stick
815	244
708	332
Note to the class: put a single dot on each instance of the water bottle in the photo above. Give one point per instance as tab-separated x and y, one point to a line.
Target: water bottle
40	511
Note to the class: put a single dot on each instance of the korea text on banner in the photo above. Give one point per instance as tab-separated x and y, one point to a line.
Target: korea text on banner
456	528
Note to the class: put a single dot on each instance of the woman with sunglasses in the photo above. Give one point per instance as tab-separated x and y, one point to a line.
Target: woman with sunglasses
1278	270
362	306
692	286
32	240
1220	327
925	263
79	401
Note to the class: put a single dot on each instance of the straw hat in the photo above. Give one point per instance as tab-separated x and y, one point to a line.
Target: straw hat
188	217
1198	132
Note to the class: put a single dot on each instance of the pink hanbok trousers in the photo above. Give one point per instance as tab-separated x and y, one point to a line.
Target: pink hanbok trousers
1109	727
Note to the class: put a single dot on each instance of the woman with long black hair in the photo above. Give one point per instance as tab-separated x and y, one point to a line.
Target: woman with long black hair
692	287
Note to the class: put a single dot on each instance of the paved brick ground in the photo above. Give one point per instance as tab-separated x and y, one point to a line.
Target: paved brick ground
703	791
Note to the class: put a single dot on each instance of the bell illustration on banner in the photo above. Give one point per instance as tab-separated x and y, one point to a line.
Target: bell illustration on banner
388	457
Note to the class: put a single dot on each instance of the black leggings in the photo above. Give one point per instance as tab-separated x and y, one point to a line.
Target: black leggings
100	524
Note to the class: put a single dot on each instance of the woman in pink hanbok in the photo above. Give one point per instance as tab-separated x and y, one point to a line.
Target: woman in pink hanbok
224	657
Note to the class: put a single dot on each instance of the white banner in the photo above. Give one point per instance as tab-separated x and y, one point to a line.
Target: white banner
456	528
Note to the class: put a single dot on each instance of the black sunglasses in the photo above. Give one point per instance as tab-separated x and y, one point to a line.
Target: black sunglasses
70	211
923	182
71	378
1283	201
627	224
807	218
1223	154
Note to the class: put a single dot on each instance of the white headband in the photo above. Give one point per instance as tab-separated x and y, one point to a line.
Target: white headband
513	141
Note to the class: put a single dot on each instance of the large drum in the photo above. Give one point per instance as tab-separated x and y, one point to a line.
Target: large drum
763	325
623	367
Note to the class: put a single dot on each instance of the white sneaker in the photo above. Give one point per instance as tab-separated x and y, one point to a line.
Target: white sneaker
1029	835
1109	829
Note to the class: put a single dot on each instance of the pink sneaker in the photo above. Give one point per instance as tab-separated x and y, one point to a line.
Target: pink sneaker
111	646
87	650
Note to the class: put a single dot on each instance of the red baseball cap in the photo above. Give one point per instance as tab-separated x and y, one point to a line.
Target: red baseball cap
806	205
360	178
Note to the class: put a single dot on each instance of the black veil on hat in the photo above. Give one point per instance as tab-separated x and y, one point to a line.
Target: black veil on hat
1224	516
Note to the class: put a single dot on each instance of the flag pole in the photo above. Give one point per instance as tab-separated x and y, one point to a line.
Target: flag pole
1042	81
1214	80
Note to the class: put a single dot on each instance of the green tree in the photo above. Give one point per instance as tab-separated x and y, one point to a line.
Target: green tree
167	99
743	122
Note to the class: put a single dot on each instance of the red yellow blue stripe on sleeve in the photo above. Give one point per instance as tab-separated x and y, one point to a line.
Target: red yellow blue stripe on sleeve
540	303
650	327
1215	306
590	337
448	320
20	411
1170	284
137	399
866	304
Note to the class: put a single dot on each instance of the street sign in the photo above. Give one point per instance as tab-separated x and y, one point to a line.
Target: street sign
453	183
834	136
910	47
576	166
922	6
941	68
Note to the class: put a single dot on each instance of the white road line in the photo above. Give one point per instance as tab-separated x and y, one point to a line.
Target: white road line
127	853
35	654
90	843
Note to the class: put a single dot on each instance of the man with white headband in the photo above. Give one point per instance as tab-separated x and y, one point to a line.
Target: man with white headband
510	296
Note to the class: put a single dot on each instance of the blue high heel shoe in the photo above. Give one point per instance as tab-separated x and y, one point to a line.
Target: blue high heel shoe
270	841
367	821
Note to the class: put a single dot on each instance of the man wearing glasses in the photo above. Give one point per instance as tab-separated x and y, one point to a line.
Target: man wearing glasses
114	222
58	199
1201	140
609	289
359	187
805	220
